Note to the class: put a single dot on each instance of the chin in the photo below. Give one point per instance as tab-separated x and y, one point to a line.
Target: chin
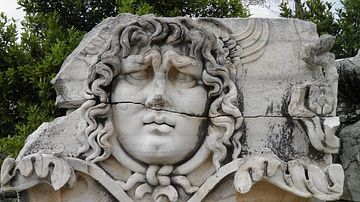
158	158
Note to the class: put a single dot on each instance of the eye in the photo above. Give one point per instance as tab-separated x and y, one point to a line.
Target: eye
140	75
184	80
139	78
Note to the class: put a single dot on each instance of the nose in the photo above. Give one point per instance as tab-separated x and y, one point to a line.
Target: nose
158	99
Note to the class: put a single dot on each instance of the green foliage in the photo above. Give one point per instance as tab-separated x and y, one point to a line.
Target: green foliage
11	56
221	9
348	38
286	11
346	28
133	6
85	14
81	14
27	98
209	8
316	11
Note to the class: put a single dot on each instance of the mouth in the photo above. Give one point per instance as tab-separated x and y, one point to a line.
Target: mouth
159	124
159	128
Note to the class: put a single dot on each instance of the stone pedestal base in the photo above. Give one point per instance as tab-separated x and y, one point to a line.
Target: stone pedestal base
260	192
264	191
90	190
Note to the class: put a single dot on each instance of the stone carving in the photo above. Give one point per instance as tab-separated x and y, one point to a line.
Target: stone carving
318	95
162	115
349	115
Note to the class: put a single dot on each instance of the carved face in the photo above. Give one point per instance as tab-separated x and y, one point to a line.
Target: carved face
159	106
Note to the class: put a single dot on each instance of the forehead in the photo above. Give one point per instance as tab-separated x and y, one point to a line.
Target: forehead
138	49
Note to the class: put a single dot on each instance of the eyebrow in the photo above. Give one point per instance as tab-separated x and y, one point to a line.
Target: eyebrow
186	65
133	63
191	66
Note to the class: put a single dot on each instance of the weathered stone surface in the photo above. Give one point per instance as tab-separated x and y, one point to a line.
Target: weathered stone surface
350	159
180	109
69	82
348	110
349	88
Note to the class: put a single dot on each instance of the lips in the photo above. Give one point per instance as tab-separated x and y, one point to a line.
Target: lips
158	123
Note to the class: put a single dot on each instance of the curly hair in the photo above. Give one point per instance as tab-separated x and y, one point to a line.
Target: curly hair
218	75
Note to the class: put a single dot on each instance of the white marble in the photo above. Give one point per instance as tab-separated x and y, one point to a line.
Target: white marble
181	109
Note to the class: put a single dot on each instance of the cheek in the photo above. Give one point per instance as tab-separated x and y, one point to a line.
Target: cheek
192	101
124	92
126	116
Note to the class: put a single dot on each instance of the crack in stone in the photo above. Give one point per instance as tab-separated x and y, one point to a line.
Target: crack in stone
161	109
171	111
201	116
273	116
279	116
351	162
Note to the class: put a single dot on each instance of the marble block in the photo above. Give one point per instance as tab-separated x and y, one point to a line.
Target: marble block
189	109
